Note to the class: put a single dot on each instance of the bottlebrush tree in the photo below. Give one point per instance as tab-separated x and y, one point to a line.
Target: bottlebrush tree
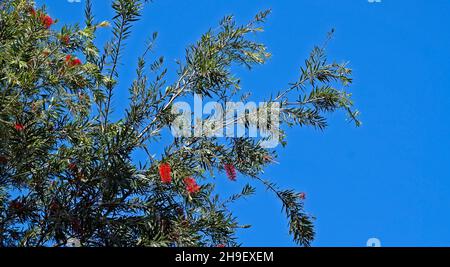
67	173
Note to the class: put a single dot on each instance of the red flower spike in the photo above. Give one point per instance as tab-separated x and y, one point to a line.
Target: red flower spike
16	205
76	226
19	127
230	171
302	196
164	173
220	246
76	62
32	12
72	62
191	185
47	21
54	207
72	166
65	39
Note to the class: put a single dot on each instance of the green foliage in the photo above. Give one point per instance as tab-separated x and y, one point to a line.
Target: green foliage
65	165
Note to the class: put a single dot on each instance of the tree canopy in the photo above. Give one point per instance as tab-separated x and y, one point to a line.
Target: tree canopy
67	173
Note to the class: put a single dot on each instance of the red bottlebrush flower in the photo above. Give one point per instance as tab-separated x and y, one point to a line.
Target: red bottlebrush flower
16	205
3	160
76	226
19	127
15	235
191	185
230	171
164	173
72	166
220	246
76	62
72	62
65	39
267	158
302	195
54	208
47	21
32	12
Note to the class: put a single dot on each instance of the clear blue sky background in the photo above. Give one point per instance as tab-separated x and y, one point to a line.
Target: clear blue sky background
389	179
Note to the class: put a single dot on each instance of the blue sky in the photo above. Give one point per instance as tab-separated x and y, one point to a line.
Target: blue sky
388	179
